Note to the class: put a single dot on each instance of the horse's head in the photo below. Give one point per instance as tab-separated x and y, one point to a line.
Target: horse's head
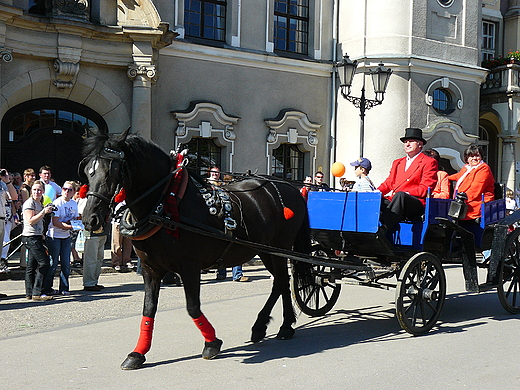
103	167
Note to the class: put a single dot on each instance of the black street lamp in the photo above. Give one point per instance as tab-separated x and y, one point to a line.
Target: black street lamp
346	70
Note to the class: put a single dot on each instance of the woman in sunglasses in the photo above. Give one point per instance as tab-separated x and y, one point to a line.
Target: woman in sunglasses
59	239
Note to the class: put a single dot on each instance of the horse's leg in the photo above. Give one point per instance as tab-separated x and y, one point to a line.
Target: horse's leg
152	284
259	329
191	282
286	331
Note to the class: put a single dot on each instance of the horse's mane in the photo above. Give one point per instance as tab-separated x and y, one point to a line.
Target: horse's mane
134	146
94	145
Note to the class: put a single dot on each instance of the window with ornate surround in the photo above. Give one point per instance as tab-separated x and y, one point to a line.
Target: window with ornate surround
205	19
207	121
291	144
444	96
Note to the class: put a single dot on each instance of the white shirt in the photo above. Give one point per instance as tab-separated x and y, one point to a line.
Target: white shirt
67	211
409	161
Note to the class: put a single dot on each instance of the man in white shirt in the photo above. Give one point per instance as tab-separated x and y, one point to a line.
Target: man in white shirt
52	190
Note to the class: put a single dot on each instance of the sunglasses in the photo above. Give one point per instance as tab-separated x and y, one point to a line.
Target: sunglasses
68	189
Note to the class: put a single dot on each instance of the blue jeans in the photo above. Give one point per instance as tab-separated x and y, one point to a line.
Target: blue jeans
59	251
237	272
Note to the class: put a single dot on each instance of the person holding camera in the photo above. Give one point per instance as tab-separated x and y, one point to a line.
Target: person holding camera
59	239
38	261
7	192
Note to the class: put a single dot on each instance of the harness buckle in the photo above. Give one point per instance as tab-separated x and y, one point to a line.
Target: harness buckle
159	209
230	223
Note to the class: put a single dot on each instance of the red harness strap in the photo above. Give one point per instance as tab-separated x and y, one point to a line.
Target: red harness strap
145	337
207	330
175	192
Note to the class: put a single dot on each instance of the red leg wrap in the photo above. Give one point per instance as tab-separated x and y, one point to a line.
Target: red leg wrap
145	337
207	330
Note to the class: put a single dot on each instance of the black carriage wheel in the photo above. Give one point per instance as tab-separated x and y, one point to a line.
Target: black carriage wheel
420	293
509	275
314	292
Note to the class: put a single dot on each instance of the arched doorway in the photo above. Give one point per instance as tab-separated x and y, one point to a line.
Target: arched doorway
47	132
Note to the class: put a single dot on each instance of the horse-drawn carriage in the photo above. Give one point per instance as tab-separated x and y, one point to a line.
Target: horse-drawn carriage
179	223
353	245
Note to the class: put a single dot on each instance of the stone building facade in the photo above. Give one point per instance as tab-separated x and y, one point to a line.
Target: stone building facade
251	85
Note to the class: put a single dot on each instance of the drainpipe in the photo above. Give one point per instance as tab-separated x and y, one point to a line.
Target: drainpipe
333	94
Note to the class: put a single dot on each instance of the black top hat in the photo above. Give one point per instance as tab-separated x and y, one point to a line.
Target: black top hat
413	133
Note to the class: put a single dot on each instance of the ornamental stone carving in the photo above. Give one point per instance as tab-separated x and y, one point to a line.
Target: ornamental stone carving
65	73
74	9
6	55
147	71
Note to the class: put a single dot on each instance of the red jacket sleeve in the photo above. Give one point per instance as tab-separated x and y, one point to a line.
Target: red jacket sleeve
388	184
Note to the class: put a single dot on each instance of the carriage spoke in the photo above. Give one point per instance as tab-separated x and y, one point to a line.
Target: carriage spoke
311	294
324	292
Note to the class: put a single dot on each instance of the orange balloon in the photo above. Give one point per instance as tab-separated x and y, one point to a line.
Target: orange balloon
337	169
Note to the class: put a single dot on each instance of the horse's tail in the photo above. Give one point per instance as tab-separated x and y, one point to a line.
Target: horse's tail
302	242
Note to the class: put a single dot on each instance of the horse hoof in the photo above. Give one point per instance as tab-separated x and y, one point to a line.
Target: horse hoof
133	361
211	349
257	335
285	334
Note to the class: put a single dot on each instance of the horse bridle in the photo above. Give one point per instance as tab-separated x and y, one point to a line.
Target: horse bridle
112	156
119	156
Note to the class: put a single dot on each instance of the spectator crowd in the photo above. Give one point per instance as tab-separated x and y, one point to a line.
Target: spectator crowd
52	234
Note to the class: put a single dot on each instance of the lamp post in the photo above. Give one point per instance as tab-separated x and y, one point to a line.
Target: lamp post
346	70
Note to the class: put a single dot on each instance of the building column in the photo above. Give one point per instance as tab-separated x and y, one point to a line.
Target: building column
508	161
142	72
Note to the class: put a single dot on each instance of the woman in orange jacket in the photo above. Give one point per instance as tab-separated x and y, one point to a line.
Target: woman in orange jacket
475	179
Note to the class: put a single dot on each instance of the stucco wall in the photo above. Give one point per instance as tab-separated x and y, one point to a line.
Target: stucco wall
253	94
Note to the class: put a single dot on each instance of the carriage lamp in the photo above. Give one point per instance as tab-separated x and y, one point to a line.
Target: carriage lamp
459	207
346	70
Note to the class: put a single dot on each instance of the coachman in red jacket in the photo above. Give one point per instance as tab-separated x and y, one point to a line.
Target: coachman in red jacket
407	185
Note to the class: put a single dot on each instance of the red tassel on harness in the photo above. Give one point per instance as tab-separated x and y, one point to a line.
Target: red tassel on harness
83	190
288	213
120	196
145	337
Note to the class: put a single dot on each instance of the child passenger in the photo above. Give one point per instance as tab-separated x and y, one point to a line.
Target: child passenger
363	183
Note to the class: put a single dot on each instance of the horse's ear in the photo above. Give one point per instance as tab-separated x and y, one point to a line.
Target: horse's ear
123	136
81	168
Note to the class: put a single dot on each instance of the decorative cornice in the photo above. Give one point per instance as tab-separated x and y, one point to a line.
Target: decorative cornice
452	128
278	127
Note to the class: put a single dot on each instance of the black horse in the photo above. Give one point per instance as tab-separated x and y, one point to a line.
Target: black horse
198	232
